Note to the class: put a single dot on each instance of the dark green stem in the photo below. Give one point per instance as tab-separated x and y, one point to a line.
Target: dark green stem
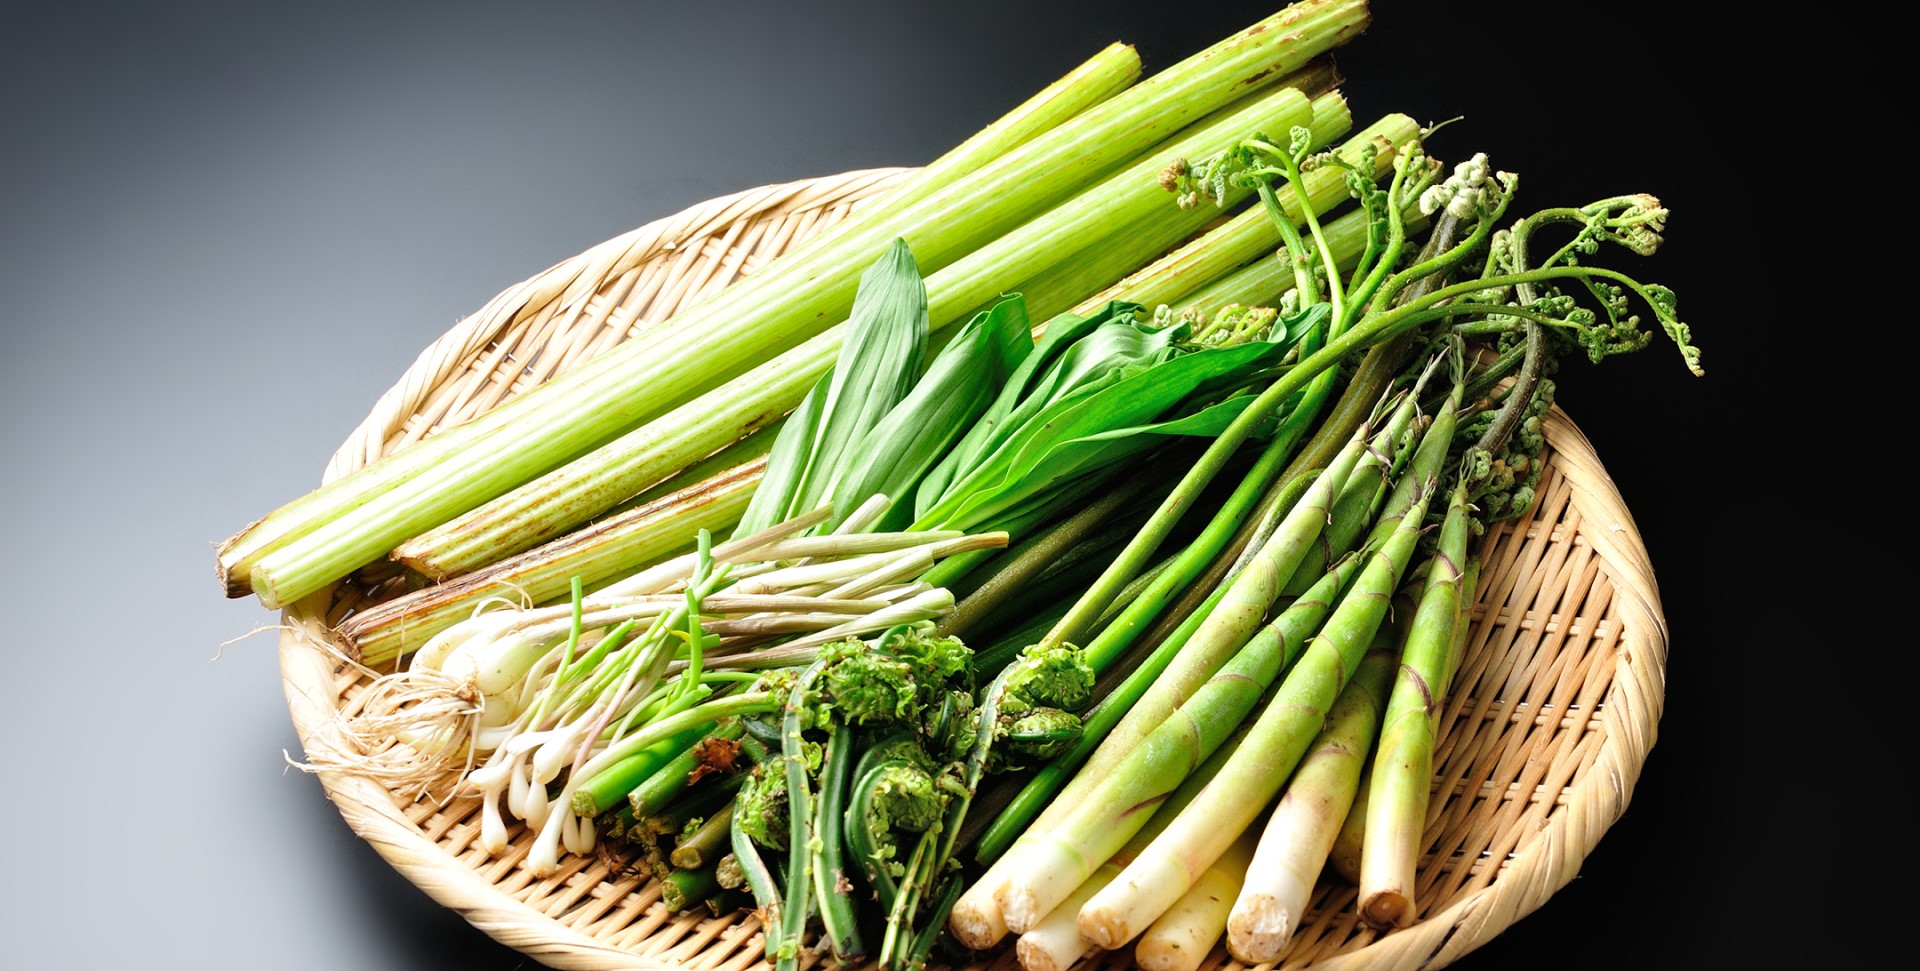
685	888
829	869
800	817
706	843
1036	555
766	891
672	779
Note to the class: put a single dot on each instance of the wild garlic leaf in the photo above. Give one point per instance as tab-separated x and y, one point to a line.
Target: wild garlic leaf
1073	351
1107	421
885	346
960	383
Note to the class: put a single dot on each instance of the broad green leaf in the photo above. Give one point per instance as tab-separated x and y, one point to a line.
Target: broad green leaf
959	385
878	363
1103	422
785	462
1058	363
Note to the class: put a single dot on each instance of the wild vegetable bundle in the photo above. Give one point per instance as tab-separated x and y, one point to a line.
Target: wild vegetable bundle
1097	511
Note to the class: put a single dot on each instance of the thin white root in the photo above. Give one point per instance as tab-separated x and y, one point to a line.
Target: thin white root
407	731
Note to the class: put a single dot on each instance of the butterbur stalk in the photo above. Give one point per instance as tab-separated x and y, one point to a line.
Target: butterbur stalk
612	548
1401	780
1095	80
584	488
889	295
786	302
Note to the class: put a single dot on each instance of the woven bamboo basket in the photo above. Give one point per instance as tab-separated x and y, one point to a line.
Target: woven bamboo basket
1543	736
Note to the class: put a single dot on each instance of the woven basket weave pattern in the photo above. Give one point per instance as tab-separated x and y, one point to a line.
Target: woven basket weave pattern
1550	718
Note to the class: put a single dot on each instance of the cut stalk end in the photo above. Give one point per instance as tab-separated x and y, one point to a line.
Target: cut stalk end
975	920
1259	928
1387	910
1020	908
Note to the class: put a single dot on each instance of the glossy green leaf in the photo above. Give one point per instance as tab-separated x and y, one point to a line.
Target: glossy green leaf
963	379
878	364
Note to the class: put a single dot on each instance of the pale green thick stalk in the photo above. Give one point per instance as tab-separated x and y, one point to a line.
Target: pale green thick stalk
769	311
550	505
1401	782
1294	844
1036	871
605	551
1187	932
1251	234
1132	193
561	500
1359	504
1055	942
1286	727
1231	622
1093	81
1177	264
979	918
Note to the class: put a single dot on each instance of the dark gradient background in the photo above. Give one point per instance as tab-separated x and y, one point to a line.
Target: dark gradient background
225	229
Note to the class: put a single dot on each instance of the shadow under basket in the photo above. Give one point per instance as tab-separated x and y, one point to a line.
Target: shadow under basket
1546	728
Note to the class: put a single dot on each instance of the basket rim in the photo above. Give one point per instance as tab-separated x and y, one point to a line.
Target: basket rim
1538	867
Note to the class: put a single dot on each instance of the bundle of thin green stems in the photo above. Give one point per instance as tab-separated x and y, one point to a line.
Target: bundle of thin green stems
554	715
